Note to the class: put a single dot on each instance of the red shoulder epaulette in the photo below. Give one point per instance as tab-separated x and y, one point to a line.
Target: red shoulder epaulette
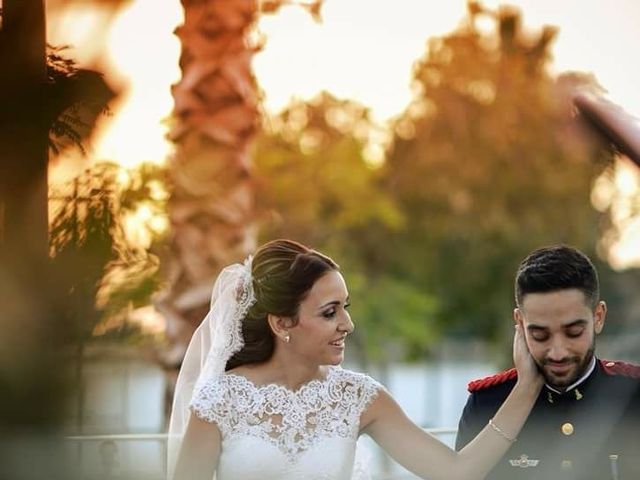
496	379
620	368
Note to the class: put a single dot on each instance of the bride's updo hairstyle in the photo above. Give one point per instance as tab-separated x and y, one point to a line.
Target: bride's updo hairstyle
283	272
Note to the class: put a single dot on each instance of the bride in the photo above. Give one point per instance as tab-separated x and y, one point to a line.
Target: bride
261	394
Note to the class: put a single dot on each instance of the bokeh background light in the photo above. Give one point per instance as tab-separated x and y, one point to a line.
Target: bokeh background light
361	50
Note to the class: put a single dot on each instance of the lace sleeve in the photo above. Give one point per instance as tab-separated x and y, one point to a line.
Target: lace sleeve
211	403
369	390
359	390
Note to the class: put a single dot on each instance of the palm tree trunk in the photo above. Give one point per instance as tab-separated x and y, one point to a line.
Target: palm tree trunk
211	206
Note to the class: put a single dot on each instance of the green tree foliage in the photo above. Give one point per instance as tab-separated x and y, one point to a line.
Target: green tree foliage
314	179
488	163
101	274
134	276
83	238
317	187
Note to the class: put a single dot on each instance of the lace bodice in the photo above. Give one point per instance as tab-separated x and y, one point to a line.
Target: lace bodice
271	432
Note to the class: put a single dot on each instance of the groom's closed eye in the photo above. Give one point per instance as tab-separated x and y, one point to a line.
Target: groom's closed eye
574	331
538	334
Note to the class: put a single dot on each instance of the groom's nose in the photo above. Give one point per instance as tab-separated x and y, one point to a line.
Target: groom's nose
558	351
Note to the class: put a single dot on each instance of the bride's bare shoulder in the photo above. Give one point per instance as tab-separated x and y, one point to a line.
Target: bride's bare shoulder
382	407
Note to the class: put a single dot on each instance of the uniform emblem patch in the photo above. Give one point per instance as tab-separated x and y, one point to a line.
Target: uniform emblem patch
524	462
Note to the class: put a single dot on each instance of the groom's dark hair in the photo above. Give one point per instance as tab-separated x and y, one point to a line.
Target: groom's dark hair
558	267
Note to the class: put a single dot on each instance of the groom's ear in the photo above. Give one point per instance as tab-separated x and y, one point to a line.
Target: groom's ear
518	318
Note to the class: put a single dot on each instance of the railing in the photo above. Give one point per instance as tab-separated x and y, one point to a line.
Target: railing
113	456
116	456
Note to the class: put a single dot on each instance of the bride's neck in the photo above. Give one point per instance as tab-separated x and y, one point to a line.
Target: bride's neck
292	373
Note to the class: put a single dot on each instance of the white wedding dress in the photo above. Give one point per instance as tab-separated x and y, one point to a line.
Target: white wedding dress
272	433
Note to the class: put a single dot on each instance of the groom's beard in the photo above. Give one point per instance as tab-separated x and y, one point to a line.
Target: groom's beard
576	368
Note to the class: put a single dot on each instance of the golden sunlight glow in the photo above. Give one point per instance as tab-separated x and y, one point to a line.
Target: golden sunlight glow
625	252
144	224
149	319
82	27
362	50
145	54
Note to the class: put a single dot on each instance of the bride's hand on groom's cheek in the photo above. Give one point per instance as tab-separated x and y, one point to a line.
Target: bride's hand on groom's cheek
525	365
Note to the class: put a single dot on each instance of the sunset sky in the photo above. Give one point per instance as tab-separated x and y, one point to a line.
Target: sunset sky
363	50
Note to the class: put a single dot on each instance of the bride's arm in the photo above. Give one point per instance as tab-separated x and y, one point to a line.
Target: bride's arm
199	452
427	457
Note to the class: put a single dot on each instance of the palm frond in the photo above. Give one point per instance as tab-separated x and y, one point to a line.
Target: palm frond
76	98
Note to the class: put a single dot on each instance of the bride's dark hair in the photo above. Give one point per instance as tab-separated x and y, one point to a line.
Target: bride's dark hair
283	272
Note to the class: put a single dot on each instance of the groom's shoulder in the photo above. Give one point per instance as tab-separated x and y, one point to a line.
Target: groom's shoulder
621	377
616	368
494	385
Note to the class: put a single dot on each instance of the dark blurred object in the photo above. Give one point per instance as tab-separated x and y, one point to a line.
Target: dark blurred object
612	122
23	129
34	373
31	373
25	337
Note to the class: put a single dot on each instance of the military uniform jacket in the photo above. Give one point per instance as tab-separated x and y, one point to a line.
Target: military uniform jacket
591	432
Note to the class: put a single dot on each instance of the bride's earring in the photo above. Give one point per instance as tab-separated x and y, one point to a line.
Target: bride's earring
287	337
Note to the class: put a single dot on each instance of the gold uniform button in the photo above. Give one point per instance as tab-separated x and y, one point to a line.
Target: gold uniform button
567	428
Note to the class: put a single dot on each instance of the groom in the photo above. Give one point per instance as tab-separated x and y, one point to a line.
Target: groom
586	422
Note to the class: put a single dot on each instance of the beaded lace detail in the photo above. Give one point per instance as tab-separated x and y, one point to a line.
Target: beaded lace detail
293	421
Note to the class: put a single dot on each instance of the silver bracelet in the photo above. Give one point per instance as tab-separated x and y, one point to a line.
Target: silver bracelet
499	431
